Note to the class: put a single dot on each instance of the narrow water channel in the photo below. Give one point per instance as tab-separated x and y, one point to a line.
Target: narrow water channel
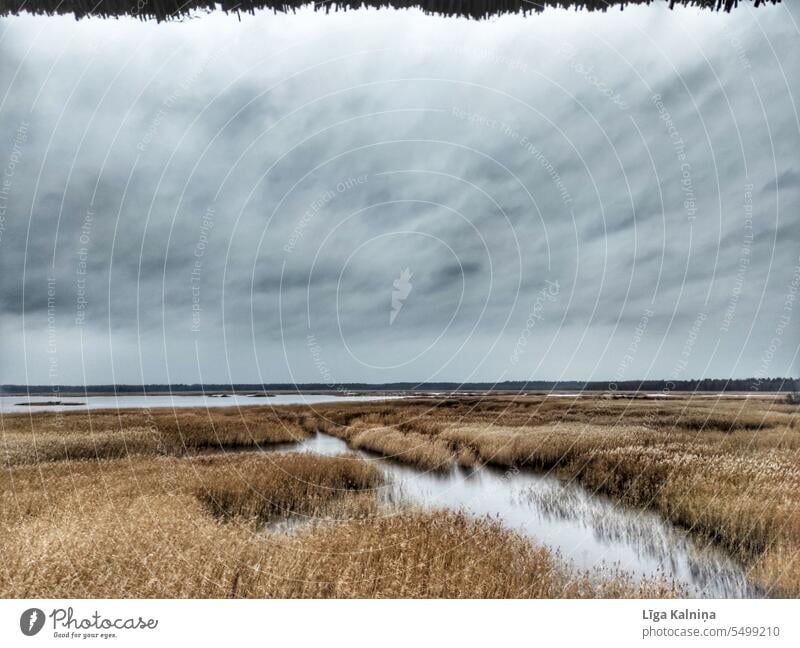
587	530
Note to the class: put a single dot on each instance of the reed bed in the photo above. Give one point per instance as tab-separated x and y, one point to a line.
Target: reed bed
725	469
166	547
265	488
143	527
430	416
426	452
384	432
435	554
43	437
740	492
255	486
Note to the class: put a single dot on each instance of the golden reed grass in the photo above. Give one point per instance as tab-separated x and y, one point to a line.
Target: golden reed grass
109	434
170	527
262	488
420	450
725	468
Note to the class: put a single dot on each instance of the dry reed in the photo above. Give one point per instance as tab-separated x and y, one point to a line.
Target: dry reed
106	434
726	469
142	527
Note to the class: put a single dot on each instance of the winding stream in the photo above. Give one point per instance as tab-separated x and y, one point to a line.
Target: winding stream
587	530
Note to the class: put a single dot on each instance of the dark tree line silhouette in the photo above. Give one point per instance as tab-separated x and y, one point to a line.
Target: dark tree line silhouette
715	385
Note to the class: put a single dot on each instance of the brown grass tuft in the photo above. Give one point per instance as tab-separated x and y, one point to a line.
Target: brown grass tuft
111	435
420	450
264	488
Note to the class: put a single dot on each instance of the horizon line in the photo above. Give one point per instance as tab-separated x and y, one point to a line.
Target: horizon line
751	381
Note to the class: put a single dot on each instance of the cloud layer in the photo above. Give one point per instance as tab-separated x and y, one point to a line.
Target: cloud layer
575	197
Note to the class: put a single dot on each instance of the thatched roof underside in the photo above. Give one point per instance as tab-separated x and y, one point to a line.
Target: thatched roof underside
170	9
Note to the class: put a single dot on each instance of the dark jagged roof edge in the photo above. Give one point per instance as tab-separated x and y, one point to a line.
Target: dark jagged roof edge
162	10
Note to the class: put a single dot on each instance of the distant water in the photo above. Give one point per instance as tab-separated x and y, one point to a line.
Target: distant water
11	404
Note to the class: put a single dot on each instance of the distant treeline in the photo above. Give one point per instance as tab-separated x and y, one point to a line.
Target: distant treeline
663	386
176	9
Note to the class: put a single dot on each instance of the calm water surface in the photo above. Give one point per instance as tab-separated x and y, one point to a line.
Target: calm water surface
587	530
16	404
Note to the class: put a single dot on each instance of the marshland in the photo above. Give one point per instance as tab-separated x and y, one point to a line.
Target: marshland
458	496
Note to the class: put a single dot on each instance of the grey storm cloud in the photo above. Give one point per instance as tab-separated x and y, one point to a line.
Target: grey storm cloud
789	179
206	200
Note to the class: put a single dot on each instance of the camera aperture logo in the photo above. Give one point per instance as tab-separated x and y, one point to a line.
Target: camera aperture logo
67	625
400	292
31	621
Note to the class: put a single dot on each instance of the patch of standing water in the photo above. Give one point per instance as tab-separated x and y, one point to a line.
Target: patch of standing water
18	404
587	530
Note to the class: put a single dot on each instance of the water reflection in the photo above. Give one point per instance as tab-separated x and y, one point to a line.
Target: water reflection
587	530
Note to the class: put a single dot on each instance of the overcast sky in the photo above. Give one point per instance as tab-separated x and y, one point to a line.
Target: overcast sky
574	196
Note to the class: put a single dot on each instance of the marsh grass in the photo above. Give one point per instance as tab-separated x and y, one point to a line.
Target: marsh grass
265	488
421	450
143	527
436	554
725	469
43	437
42	447
137	503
